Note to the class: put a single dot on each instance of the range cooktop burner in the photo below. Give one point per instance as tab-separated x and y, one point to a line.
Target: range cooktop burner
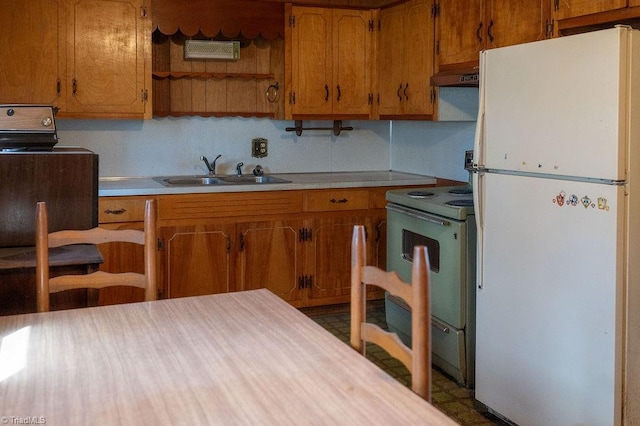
461	203
419	194
461	191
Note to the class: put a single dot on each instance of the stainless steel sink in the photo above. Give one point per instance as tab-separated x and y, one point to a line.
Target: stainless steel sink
250	179
189	180
220	180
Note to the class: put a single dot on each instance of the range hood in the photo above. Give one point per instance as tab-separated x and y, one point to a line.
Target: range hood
467	77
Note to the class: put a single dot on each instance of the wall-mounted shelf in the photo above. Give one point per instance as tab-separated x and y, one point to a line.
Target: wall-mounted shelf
217	88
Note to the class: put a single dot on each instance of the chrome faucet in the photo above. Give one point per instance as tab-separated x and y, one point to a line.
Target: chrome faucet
239	168
212	169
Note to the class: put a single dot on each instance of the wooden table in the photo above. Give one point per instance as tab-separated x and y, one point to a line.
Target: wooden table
237	358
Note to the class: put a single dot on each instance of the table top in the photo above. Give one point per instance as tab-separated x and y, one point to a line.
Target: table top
236	358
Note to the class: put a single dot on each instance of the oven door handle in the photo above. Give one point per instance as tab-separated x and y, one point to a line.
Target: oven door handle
418	215
441	327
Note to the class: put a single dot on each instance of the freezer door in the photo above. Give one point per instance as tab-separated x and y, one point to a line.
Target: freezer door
549	310
557	106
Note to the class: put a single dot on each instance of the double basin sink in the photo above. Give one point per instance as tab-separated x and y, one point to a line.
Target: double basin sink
217	180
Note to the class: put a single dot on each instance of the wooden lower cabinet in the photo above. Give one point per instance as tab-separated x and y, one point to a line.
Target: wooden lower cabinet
121	213
329	256
270	256
295	243
196	259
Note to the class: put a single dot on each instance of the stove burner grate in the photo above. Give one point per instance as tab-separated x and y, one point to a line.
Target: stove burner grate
461	203
419	194
461	191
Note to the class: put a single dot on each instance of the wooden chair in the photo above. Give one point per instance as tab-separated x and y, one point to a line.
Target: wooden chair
417	359
99	279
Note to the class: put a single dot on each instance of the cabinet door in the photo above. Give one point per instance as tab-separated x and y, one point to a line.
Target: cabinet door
572	8
330	254
418	58
516	21
270	257
121	257
33	52
106	57
351	61
312	61
460	32
196	259
390	60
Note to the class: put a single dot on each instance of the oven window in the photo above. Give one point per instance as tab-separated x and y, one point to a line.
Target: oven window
411	239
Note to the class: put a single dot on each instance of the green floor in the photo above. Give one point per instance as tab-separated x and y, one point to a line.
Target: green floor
454	400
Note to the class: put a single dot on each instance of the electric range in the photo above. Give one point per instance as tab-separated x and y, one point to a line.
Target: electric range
443	220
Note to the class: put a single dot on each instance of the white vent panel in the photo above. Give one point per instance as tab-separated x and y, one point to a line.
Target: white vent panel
206	49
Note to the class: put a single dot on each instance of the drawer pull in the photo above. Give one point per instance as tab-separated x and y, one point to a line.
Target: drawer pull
342	201
118	212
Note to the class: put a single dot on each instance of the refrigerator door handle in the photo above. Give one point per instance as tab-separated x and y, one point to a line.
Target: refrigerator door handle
477	177
479	137
478	205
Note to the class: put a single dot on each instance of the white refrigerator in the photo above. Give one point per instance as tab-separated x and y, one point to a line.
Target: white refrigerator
557	198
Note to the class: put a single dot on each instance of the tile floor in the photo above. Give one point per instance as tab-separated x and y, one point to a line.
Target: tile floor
454	400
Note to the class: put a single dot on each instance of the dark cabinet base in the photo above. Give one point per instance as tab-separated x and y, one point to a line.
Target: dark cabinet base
18	278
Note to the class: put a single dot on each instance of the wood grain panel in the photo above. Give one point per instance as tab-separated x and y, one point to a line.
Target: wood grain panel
336	199
121	209
575	8
232	204
239	358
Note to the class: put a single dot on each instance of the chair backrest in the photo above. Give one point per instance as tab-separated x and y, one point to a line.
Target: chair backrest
99	279
417	359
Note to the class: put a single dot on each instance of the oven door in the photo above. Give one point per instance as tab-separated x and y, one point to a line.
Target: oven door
446	241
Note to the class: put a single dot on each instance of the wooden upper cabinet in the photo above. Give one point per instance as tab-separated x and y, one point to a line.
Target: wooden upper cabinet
330	60
406	61
460	32
352	52
107	44
33	52
312	61
464	27
574	8
512	22
85	57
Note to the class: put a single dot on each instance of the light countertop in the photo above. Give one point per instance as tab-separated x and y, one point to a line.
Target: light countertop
123	186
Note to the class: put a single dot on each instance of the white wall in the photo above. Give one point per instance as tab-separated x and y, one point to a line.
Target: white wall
173	146
431	148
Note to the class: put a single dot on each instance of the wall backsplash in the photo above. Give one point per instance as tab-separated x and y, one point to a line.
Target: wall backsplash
174	146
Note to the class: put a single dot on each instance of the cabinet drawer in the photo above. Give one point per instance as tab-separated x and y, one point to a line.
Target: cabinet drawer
232	204
333	200
114	209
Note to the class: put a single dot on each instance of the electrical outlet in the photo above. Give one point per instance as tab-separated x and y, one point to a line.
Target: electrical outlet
259	147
